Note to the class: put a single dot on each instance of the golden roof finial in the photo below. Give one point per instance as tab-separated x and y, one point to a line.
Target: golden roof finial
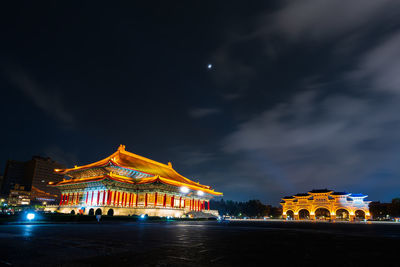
121	147
170	164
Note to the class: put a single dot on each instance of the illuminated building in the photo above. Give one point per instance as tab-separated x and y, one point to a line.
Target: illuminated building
34	173
19	196
128	184
40	197
325	204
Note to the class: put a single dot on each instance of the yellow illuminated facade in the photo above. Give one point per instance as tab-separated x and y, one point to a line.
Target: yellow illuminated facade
325	205
128	184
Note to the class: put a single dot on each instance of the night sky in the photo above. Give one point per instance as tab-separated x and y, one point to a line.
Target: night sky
300	94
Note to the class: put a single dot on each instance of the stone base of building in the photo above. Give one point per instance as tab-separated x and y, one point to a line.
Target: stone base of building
203	214
332	218
124	211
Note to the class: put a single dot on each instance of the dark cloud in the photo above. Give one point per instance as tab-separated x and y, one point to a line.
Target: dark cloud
203	112
322	142
302	94
60	155
319	137
231	96
381	65
48	100
191	158
320	19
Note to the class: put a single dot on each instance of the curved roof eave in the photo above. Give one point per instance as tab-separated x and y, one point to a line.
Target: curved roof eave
129	180
159	168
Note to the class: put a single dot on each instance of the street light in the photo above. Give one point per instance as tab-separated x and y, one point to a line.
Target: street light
184	189
30	216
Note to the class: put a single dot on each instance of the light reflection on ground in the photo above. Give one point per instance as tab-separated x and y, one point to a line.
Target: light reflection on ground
27	230
193	243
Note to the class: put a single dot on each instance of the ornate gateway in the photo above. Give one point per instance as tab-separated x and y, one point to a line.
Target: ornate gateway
324	204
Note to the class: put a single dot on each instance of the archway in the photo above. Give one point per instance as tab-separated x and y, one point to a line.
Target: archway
304	214
342	215
91	212
322	214
98	212
289	215
73	212
359	215
110	212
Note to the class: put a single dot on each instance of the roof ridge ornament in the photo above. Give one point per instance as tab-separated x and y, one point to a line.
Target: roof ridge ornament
121	148
170	164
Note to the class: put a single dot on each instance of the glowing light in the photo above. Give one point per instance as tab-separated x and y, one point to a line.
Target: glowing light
200	193
209	66
184	189
142	216
321	200
30	216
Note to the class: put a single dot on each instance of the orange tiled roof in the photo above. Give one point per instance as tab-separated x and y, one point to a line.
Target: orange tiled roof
129	180
159	171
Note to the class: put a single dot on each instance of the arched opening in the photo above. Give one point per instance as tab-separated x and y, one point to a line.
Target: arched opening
91	212
72	212
110	212
342	215
289	215
359	215
322	214
98	212
304	214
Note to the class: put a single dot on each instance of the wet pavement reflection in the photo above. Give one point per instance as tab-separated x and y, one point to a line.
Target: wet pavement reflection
196	244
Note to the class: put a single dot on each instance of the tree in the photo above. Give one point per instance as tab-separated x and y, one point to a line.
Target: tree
251	208
394	209
379	210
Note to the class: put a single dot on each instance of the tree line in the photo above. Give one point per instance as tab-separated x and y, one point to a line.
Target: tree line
385	210
256	209
252	208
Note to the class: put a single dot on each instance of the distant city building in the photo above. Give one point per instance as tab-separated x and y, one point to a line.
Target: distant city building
19	196
43	173
1	182
128	184
324	204
41	197
35	173
14	175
